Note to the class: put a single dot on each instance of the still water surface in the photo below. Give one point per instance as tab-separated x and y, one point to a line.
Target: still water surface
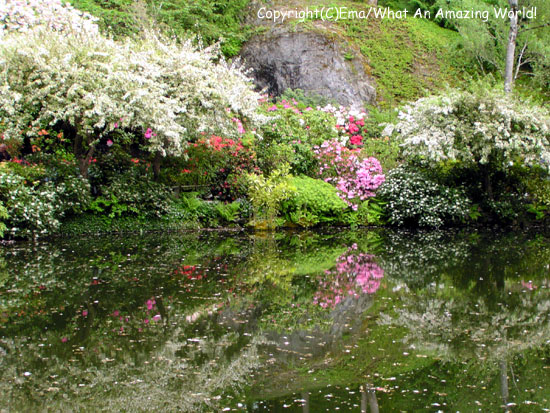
358	321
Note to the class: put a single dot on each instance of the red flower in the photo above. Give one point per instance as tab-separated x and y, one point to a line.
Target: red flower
356	140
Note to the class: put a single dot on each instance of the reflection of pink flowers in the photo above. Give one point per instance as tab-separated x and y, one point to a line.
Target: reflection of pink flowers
528	285
156	317
354	274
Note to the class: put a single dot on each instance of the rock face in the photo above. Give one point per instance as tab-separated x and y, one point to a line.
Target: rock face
310	61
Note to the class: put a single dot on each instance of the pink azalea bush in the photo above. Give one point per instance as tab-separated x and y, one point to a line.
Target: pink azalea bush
355	274
350	124
355	178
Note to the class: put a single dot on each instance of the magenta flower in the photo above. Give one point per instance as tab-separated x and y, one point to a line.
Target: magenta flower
109	143
84	313
148	133
156	317
64	339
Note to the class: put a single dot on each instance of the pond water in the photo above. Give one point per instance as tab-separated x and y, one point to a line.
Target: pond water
340	320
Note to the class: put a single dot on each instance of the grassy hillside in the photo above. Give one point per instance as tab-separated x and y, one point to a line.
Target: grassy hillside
211	19
408	58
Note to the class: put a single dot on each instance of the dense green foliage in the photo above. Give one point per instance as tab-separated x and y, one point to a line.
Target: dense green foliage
313	202
211	20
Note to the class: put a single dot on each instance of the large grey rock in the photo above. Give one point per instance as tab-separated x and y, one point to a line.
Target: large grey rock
282	59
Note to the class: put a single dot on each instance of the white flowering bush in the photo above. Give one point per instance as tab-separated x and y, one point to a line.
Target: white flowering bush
90	85
482	128
22	15
413	199
35	204
30	210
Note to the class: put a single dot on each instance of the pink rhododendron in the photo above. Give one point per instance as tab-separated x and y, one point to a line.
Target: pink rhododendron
355	178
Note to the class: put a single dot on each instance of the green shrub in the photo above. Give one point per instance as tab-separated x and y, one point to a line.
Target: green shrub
139	194
3	217
266	195
32	210
35	202
291	135
314	201
414	199
191	209
370	212
385	149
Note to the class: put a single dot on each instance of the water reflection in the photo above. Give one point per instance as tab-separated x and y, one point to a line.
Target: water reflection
359	321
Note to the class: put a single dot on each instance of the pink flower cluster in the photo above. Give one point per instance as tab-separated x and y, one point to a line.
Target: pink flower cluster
355	178
239	124
355	273
353	128
288	105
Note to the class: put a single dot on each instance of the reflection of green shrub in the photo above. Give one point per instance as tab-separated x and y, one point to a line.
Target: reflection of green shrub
314	201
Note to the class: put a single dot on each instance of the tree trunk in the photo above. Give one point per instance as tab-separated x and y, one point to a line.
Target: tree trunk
486	172
83	157
156	165
504	392
511	47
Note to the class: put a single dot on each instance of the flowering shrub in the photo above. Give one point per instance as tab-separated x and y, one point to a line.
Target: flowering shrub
91	85
480	128
350	124
22	15
291	134
216	162
356	179
414	199
35	203
356	273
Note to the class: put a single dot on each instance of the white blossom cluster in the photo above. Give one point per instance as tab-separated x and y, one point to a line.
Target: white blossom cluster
96	84
414	199
478	128
22	15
